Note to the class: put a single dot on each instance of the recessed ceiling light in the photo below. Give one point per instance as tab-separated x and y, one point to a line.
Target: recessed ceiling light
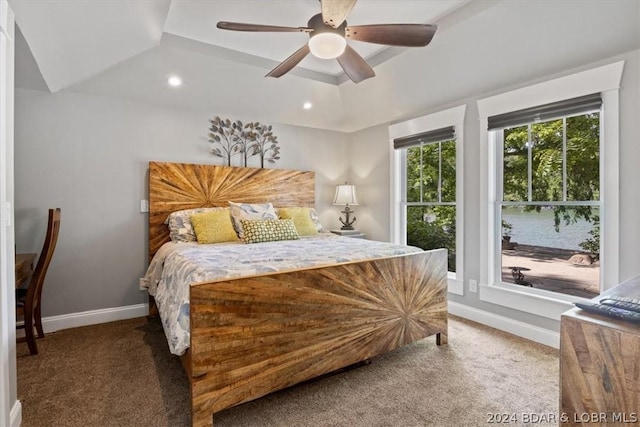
174	81
307	105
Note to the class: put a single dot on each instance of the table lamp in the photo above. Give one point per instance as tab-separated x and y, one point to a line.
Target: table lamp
346	195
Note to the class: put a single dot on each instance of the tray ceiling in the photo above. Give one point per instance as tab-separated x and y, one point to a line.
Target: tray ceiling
74	40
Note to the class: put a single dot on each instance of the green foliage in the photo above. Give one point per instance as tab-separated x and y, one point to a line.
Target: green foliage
592	244
431	178
506	228
546	139
433	228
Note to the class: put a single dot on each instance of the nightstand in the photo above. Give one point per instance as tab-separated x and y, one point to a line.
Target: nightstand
599	363
356	234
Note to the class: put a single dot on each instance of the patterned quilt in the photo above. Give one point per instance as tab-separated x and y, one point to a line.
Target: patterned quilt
178	265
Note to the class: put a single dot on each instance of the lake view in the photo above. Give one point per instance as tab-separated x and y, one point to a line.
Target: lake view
537	229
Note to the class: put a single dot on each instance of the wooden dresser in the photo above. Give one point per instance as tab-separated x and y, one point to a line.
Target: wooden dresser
600	366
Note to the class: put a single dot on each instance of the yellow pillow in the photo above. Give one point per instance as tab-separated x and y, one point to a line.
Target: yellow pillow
301	219
213	227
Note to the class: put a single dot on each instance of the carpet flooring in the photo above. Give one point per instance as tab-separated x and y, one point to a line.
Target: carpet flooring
122	374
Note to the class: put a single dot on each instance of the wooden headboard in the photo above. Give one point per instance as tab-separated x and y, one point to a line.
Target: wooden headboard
177	186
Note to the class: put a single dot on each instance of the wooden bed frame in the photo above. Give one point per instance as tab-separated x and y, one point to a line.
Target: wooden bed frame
254	335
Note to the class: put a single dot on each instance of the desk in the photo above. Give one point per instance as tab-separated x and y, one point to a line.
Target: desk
599	365
24	267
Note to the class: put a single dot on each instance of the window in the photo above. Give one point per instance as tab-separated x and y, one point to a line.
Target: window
429	168
426	190
532	166
548	200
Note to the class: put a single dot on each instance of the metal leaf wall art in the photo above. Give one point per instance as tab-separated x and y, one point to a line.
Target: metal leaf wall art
231	138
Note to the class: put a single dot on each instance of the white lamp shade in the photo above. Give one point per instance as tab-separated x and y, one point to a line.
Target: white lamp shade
327	45
345	195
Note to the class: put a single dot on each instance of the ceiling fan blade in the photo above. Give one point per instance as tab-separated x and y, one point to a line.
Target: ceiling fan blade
355	66
411	35
334	12
286	65
238	26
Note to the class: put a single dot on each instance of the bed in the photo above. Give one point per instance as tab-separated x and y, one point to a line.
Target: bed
257	330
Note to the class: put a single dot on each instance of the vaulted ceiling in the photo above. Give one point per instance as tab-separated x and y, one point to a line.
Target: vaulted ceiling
127	49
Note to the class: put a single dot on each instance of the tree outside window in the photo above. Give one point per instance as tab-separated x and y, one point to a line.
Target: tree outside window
551	197
431	197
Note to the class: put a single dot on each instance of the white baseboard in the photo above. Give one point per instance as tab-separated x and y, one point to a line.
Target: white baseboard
515	327
16	414
92	317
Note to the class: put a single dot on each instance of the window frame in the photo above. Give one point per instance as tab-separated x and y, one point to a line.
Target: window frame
500	203
604	80
450	117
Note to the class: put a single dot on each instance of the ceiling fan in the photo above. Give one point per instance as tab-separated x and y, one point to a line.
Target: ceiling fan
328	33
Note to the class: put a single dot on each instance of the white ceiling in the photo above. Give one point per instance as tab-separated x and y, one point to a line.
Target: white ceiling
196	19
75	39
72	40
126	49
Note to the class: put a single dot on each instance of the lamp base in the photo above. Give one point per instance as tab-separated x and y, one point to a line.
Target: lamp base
347	224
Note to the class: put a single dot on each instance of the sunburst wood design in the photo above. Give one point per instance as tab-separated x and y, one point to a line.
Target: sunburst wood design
254	335
599	370
176	186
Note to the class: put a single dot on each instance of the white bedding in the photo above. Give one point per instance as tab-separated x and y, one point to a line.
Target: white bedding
177	265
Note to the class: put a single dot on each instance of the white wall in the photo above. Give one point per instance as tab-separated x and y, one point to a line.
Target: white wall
10	408
507	43
369	165
88	155
511	45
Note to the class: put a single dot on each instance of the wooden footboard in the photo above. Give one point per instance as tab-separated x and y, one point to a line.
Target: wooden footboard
255	335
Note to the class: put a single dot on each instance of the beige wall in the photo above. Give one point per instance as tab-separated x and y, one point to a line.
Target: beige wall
88	155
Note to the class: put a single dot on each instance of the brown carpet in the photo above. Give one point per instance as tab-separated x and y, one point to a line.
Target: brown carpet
122	374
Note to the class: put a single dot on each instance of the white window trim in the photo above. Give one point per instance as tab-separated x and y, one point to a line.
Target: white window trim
606	80
450	117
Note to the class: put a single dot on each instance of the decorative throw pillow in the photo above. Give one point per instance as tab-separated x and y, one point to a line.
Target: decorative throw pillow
301	219
179	222
268	230
240	211
316	220
213	227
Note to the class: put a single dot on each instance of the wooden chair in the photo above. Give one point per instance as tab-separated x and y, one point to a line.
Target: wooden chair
28	300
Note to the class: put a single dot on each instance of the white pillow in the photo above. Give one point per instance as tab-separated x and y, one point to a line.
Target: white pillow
240	211
179	222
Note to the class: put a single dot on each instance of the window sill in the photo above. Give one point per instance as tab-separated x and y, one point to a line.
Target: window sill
532	301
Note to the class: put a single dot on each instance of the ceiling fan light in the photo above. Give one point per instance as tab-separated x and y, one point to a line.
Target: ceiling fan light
327	45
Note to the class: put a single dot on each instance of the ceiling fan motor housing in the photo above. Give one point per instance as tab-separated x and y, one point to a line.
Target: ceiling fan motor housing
326	42
317	24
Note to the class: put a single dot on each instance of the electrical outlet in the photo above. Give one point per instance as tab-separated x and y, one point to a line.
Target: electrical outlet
143	284
473	285
144	206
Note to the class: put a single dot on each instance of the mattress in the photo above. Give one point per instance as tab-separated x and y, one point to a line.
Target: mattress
176	266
